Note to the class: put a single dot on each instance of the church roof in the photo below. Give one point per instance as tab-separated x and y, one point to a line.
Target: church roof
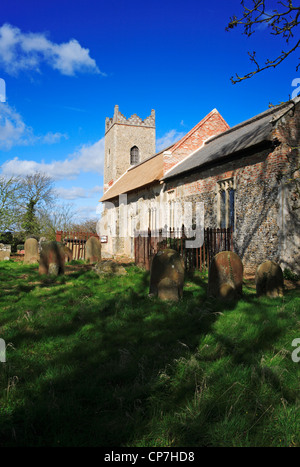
142	174
152	169
249	133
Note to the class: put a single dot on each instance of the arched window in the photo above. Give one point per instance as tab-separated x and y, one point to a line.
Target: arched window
226	203
134	155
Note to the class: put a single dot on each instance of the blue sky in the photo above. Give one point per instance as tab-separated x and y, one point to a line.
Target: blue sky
67	63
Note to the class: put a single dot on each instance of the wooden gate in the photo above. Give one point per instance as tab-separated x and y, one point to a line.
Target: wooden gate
75	241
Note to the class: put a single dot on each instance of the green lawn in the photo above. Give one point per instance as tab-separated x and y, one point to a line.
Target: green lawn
95	362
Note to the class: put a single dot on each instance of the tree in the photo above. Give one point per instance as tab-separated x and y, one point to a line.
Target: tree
9	208
86	225
36	192
282	22
60	217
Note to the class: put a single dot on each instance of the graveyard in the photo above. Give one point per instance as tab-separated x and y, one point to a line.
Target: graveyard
94	359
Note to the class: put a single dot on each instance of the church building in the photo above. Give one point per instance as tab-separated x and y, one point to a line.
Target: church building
246	177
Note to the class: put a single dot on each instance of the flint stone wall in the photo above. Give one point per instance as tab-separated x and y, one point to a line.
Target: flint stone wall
267	221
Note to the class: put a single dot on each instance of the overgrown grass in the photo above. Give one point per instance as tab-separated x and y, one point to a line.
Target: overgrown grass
95	362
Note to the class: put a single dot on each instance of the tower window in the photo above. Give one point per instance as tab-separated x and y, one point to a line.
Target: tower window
134	155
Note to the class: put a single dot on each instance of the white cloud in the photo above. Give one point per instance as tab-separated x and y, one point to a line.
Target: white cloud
97	189
168	139
90	212
88	158
51	138
26	51
71	193
15	132
78	192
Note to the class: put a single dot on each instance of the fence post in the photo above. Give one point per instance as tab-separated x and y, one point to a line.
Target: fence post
147	249
208	247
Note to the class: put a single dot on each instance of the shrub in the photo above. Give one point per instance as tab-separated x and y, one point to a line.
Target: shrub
289	275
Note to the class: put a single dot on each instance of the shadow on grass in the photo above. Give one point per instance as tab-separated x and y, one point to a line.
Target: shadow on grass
95	357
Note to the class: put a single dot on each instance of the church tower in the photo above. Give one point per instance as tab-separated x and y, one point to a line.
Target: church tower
127	142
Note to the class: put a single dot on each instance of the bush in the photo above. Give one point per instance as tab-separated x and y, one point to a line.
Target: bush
6	238
289	275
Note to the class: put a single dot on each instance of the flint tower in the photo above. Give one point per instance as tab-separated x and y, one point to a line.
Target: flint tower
128	141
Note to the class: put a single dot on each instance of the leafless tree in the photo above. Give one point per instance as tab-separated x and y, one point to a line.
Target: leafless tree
37	188
59	217
282	22
9	207
86	225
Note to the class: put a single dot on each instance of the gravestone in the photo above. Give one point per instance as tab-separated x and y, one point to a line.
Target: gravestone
4	255
109	267
68	253
31	251
5	247
167	275
52	258
93	250
41	241
225	279
5	251
269	280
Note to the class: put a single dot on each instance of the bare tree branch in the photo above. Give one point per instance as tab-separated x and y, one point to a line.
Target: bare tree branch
9	206
282	22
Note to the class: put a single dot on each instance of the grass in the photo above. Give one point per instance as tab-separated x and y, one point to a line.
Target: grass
95	362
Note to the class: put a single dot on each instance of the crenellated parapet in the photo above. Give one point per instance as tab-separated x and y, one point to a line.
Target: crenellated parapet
134	120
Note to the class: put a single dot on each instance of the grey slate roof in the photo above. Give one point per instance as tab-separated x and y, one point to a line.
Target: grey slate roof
242	136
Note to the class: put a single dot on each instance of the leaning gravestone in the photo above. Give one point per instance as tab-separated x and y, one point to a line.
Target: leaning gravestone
31	251
225	279
93	250
167	275
52	258
269	280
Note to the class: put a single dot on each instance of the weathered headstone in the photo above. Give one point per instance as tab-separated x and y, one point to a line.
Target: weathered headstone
93	250
31	251
269	280
167	275
5	247
109	267
4	255
225	279
41	241
52	258
68	253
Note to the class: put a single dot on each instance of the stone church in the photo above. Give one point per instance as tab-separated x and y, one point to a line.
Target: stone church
246	177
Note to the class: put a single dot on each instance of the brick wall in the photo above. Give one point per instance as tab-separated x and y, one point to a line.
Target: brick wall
211	125
267	223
